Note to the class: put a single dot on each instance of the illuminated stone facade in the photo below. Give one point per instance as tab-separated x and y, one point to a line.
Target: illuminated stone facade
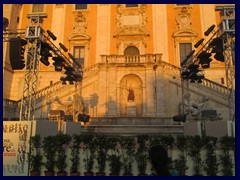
123	47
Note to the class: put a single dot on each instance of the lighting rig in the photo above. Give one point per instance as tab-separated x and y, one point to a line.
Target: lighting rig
221	45
38	46
192	68
10	33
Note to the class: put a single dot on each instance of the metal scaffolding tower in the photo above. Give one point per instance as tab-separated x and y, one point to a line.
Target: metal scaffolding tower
227	32
34	35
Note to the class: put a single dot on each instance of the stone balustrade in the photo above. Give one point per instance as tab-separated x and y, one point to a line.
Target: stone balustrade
146	58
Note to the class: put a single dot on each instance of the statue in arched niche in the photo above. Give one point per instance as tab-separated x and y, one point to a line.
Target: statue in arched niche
131	95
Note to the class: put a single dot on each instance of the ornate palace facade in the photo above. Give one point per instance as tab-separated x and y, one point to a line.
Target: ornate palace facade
122	48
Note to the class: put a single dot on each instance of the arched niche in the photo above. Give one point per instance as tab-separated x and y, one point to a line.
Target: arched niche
131	81
131	50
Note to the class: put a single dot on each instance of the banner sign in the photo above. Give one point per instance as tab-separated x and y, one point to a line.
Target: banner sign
16	135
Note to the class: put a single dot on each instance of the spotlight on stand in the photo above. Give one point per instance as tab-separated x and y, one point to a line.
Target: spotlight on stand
69	70
51	35
179	118
74	59
199	43
193	68
71	56
77	77
45	53
209	30
59	63
83	118
63	47
204	59
193	77
63	79
217	47
188	56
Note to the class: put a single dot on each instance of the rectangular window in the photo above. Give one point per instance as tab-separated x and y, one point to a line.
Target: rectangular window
36	8
79	54
222	80
185	49
131	5
80	6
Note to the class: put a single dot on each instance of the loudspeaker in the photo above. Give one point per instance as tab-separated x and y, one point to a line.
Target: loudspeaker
17	48
83	117
179	118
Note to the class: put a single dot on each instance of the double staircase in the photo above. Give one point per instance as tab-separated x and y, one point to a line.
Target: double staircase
108	125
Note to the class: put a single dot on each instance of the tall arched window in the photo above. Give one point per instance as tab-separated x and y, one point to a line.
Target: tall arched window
131	54
131	50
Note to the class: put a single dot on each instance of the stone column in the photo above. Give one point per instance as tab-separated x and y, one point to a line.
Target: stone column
150	95
103	31
102	91
160	93
58	23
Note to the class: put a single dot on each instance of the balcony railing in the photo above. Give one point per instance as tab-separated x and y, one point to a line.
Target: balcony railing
127	59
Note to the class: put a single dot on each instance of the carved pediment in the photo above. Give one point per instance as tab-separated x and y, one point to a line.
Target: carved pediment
79	37
131	30
185	33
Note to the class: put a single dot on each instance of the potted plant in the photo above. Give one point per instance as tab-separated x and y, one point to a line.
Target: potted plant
127	152
227	144
75	160
35	156
181	162
62	141
114	156
49	149
211	163
141	154
194	150
101	142
89	153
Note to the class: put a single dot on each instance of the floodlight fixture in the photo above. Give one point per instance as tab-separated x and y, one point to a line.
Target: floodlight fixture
179	118
187	57
51	35
71	56
209	30
63	47
199	43
204	59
